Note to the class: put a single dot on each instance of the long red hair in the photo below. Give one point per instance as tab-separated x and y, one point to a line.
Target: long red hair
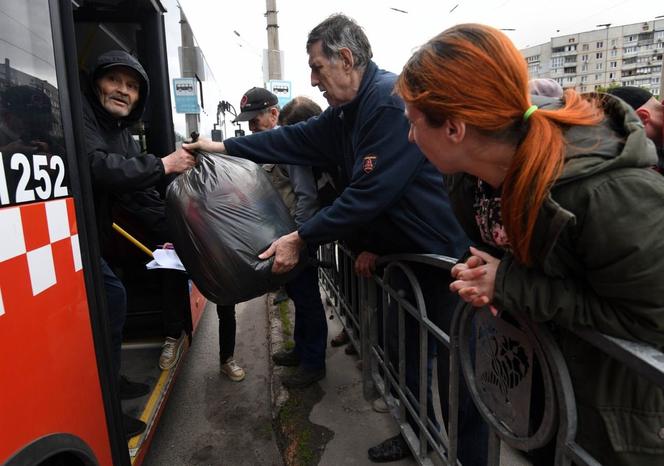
475	74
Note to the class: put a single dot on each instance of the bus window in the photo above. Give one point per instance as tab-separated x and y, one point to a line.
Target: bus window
31	138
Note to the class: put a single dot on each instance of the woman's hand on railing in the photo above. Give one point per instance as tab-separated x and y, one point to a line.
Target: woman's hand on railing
475	279
365	264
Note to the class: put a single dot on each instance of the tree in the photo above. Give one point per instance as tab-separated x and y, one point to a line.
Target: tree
606	88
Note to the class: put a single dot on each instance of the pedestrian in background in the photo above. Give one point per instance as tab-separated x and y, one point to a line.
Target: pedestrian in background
651	113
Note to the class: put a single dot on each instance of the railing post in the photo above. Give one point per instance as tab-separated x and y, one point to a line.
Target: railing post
368	335
453	397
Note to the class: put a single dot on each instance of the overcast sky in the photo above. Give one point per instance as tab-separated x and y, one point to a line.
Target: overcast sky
236	62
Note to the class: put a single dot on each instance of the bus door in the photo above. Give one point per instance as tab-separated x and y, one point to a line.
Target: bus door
137	27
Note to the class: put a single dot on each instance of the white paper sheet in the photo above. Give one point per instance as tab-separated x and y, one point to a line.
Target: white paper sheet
165	259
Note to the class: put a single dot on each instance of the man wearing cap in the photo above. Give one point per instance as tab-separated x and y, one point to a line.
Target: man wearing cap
651	113
297	187
113	101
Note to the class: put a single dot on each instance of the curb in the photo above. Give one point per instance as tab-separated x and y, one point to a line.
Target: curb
300	441
276	339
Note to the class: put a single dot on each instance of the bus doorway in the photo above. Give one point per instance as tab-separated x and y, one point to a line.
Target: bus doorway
59	402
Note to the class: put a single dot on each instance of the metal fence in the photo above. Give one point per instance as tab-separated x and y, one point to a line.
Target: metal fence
502	359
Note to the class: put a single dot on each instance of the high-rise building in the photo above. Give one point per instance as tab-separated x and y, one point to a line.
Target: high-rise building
628	55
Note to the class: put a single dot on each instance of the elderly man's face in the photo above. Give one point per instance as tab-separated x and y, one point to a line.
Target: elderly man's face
264	121
330	76
119	90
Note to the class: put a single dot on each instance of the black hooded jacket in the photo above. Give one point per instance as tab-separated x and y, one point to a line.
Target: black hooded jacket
116	165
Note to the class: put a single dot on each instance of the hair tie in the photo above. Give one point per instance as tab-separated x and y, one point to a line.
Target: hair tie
529	112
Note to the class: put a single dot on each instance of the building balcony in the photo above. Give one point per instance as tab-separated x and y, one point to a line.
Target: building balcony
564	54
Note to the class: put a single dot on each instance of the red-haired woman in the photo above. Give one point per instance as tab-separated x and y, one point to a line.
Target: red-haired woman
562	198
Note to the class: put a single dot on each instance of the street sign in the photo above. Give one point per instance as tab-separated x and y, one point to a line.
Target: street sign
185	91
282	89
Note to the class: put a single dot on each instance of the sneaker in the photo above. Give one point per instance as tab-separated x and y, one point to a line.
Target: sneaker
132	426
231	369
303	377
171	351
340	340
393	449
286	358
129	389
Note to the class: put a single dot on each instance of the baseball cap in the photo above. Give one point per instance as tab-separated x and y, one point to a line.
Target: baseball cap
254	101
634	96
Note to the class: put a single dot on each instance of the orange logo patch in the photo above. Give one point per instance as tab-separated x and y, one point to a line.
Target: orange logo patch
369	163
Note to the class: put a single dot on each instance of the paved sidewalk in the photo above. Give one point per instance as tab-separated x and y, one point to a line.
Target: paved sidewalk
341	410
340	407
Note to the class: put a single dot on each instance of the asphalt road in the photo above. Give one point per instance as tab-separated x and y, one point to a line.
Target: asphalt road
210	420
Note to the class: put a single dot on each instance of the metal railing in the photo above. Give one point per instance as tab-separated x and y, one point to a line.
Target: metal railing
499	358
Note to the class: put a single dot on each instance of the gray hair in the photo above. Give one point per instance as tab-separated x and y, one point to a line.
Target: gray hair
337	32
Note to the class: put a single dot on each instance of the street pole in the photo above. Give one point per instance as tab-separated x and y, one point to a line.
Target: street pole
273	53
188	67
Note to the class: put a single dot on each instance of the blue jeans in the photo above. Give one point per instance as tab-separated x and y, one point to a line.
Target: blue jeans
116	300
310	332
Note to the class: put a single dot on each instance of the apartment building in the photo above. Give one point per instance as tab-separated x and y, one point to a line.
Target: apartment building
628	55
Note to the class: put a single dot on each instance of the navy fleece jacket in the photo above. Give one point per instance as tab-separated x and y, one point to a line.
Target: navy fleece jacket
392	194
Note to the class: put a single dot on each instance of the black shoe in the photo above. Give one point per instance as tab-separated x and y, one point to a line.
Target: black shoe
393	449
129	389
132	426
286	358
340	340
303	377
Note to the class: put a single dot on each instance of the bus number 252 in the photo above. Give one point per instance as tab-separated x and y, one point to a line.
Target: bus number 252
37	177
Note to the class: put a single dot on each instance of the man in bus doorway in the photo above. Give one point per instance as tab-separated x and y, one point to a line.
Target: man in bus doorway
113	101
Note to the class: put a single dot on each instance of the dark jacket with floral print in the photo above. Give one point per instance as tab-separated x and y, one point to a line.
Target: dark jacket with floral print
598	252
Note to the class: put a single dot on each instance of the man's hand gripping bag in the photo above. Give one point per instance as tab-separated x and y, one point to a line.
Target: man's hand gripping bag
222	214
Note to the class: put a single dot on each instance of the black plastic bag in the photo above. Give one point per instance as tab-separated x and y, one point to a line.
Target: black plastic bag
222	214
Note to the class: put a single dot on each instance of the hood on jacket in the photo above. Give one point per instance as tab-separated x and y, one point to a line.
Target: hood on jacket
118	58
619	141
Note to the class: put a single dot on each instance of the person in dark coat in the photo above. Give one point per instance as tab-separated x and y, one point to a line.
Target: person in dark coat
651	113
115	100
559	196
392	193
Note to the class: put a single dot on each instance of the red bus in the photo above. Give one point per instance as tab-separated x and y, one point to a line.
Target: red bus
58	402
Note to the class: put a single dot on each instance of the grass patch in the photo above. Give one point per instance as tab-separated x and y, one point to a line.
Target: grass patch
284	316
301	441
